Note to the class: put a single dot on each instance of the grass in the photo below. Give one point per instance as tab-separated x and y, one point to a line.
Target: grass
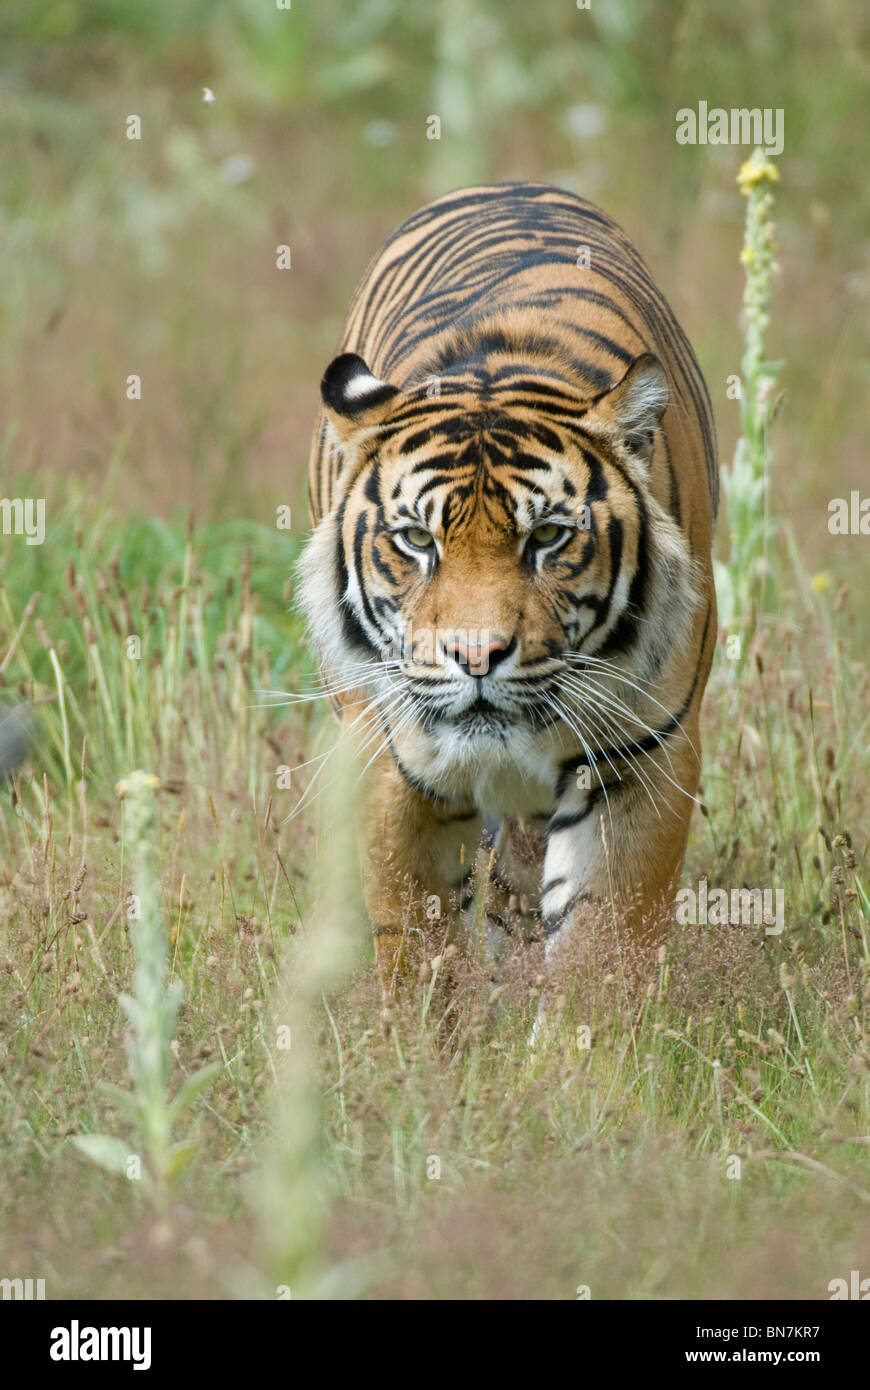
603	1166
152	1012
712	1140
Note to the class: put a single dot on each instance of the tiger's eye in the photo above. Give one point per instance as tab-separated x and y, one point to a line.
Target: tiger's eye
416	536
546	533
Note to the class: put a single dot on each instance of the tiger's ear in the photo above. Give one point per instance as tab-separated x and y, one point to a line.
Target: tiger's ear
356	401
635	405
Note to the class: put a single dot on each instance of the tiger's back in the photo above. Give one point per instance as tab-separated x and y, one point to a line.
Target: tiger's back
482	268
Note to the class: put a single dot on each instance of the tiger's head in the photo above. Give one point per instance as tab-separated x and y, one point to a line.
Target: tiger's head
493	540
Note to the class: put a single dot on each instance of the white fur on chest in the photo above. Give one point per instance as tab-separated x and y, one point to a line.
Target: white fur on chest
516	777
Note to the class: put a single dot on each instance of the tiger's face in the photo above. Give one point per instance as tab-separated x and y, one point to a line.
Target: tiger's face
484	583
486	550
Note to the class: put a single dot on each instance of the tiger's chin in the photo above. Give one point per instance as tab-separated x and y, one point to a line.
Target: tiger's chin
484	728
496	759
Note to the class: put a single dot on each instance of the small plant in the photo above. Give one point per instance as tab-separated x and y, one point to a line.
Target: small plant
745	583
152	1009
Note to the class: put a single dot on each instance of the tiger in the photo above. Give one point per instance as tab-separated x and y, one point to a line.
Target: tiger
513	487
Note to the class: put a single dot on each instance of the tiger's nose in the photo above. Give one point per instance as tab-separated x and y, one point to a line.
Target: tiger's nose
477	658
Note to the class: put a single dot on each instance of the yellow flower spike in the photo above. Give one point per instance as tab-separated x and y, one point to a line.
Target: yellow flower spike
136	781
756	169
821	582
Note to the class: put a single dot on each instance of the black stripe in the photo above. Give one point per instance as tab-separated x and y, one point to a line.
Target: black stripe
360	530
555	921
651	741
566	820
551	884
